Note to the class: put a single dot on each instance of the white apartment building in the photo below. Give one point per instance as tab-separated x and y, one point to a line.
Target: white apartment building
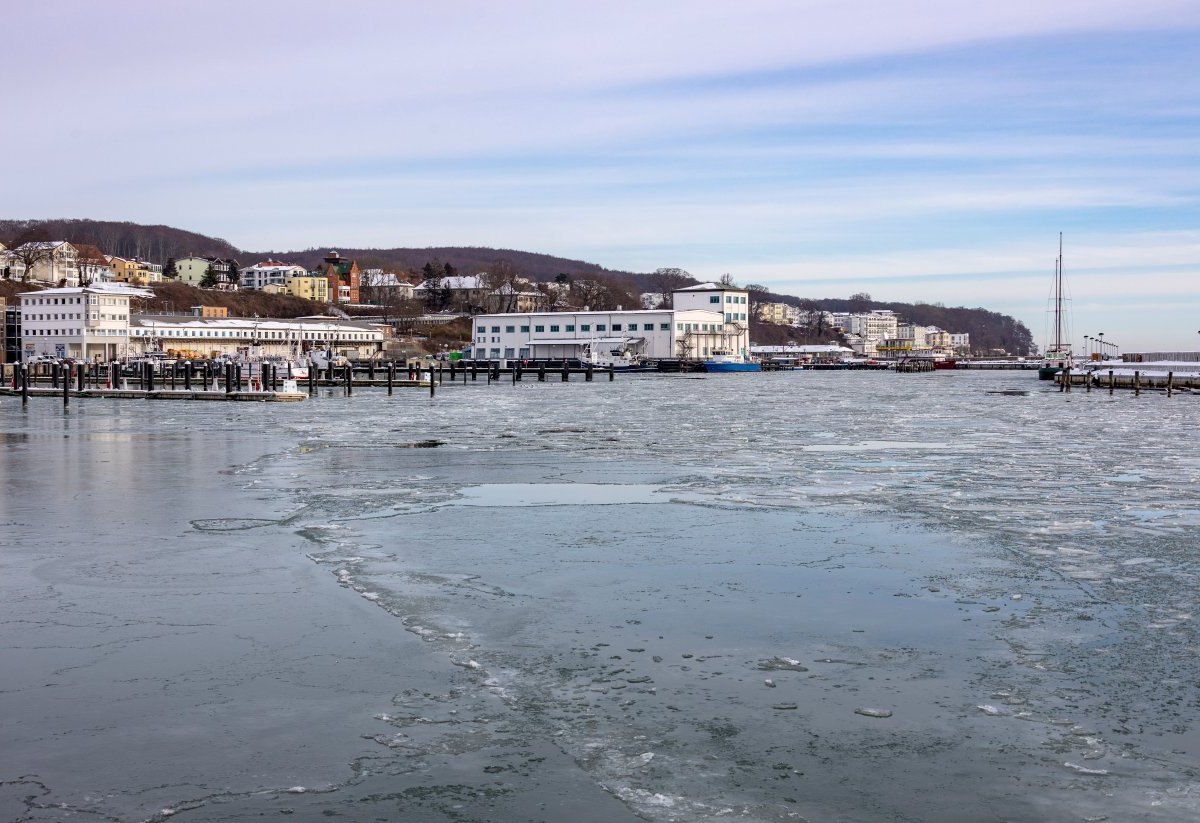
54	261
268	273
870	327
88	323
960	342
698	326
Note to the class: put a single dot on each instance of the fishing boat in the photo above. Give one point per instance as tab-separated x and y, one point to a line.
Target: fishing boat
725	361
1058	354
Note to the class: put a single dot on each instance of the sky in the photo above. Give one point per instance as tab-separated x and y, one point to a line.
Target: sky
916	150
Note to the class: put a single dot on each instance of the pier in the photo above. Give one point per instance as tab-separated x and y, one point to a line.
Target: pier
1171	378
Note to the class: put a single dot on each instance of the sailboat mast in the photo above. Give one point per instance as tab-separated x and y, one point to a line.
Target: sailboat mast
1058	297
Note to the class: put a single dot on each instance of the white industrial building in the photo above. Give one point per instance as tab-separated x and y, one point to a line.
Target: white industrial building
706	319
193	337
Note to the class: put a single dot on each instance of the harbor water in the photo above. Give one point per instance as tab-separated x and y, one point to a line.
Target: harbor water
809	596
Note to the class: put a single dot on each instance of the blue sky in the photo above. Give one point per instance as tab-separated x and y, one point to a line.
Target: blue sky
915	149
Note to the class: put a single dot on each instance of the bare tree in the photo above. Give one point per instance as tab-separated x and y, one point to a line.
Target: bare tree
504	283
29	249
760	296
667	281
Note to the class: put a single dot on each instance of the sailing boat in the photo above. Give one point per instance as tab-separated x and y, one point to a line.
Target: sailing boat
1058	356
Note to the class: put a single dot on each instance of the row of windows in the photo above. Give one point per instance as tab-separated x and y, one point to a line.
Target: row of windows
729	298
730	316
267	335
92	300
570	327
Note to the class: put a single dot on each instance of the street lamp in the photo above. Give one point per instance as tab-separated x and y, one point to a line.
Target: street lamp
1103	353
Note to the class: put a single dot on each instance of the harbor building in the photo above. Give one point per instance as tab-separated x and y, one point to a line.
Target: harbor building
192	336
85	323
706	319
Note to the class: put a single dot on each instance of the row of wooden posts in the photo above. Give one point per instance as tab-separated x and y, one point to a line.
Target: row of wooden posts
1064	382
210	375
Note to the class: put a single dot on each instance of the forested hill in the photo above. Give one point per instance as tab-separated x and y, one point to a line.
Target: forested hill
988	329
154	243
157	243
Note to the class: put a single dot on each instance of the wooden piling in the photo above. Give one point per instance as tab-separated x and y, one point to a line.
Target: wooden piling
541	372
612	373
1137	384
312	378
66	386
432	384
24	384
1170	380
588	376
81	377
349	380
1110	381
391	378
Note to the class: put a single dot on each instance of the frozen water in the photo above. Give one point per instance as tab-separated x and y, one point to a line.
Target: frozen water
579	576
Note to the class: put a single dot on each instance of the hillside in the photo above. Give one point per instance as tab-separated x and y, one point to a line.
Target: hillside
155	243
988	329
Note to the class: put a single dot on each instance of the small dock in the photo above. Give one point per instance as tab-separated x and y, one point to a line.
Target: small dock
1168	378
68	394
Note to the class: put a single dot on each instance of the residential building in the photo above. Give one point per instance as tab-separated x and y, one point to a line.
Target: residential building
781	314
518	297
269	273
872	326
379	286
53	261
92	264
310	287
343	277
467	292
86	322
134	271
192	269
960	342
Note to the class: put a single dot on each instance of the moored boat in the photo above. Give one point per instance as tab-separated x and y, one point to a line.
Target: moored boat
1058	356
725	361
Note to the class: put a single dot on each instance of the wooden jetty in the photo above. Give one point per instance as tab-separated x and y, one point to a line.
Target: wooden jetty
1147	377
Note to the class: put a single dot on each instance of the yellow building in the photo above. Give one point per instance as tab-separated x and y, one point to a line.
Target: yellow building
310	288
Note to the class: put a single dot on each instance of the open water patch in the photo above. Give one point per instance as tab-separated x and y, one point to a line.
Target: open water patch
558	494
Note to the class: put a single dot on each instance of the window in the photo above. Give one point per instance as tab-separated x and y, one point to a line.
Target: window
496	354
539	329
728	299
599	327
616	326
728	317
524	353
508	354
509	329
585	326
525	329
571	327
664	326
716	298
647	327
483	329
495	329
554	328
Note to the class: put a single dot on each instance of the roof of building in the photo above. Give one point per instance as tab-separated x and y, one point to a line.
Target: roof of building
710	287
457	283
119	289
